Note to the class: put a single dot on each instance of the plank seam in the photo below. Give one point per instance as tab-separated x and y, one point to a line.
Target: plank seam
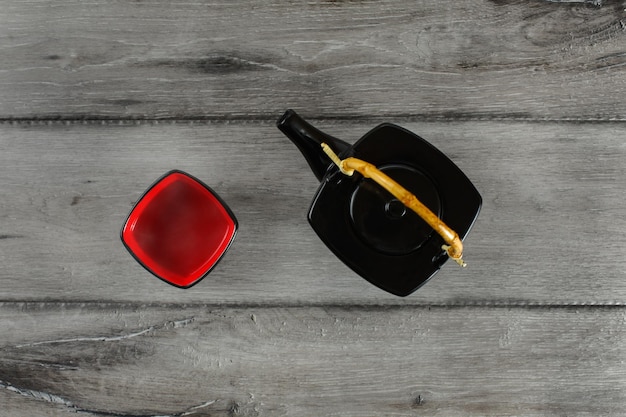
33	305
139	121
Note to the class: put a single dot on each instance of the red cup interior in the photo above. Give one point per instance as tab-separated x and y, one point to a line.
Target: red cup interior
179	229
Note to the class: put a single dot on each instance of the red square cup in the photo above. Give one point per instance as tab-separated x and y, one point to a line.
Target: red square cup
179	229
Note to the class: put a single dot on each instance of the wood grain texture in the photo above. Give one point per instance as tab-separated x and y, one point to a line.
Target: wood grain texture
477	59
334	361
98	99
550	230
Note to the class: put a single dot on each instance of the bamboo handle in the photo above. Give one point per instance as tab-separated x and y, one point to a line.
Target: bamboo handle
454	247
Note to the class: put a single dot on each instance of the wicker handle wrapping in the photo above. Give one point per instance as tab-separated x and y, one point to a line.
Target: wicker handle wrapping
454	246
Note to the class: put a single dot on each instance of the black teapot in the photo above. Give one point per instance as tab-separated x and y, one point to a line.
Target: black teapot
392	207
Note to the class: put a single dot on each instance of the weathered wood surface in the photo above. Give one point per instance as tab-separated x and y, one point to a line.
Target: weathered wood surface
548	233
511	90
332	361
446	59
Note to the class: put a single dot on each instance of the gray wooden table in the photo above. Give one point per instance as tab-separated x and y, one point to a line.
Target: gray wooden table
98	99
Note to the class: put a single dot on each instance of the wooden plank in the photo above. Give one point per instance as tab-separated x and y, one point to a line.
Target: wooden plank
476	59
549	231
333	361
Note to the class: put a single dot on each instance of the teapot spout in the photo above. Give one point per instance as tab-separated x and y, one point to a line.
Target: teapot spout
309	140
